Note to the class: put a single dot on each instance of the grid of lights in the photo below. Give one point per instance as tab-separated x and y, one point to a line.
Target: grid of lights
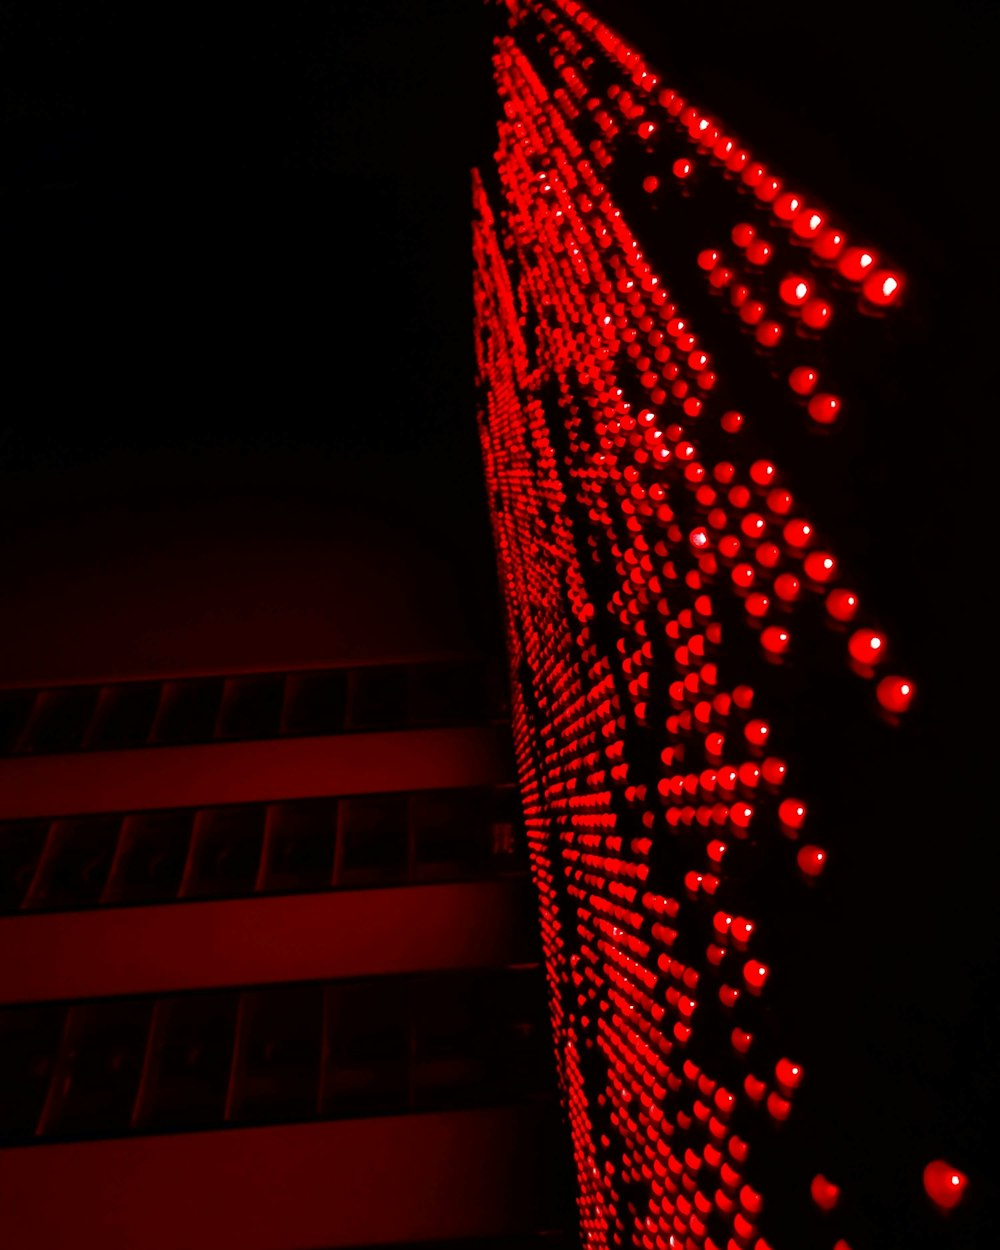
649	565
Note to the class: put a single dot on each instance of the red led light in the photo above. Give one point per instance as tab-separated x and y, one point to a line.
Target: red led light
820	566
792	814
811	860
824	409
650	183
759	251
755	974
842	605
769	333
775	640
803	379
882	288
795	290
895	693
816	314
824	1193
867	646
798	533
682	168
944	1184
743	234
855	263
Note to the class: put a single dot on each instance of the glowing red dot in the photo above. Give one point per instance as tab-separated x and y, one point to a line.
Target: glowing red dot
708	258
759	251
752	311
811	860
803	379
650	183
755	973
795	290
775	640
786	206
731	422
944	1184
743	234
774	771
682	168
842	605
789	1074
807	224
792	813
816	314
820	566
698	537
787	587
867	646
882	288
780	501
828	244
768	555
856	262
895	693
762	472
646	130
798	533
741	1041
757	604
824	1193
756	732
824	409
769	333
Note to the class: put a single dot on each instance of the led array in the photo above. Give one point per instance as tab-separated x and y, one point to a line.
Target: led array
640	547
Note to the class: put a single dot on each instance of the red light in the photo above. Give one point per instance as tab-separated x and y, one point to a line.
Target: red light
786	206
842	605
682	168
795	290
755	974
708	258
828	245
882	288
811	860
820	566
895	693
803	380
650	183
743	234
944	1184
855	263
769	333
867	646
816	314
807	224
792	814
762	472
731	422
775	640
824	1193
789	1074
756	732
824	409
759	251
798	533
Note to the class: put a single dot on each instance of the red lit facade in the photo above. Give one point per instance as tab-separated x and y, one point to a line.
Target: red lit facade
721	746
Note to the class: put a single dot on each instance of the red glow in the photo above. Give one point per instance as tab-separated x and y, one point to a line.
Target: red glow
824	1193
944	1184
895	693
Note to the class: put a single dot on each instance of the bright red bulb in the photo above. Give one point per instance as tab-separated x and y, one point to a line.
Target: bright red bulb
769	333
798	533
944	1184
856	262
755	973
867	646
828	244
811	860
743	234
731	422
882	288
820	566
756	732
795	290
824	409
682	168
789	1074
816	314
708	258
895	693
803	380
650	183
842	605
792	813
759	251
775	640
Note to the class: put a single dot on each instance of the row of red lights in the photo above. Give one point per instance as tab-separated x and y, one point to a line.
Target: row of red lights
678	535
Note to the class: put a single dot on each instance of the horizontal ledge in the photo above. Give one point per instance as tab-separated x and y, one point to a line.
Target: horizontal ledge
347	1183
301	937
250	772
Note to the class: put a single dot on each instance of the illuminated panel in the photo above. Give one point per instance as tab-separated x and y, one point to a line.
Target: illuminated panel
682	634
